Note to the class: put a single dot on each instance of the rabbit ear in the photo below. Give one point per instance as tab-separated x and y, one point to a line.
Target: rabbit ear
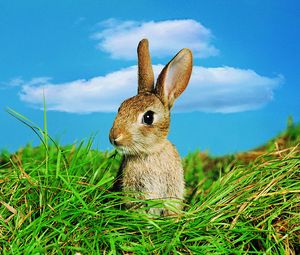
174	78
145	72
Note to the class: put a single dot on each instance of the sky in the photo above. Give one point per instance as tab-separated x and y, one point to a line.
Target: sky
82	56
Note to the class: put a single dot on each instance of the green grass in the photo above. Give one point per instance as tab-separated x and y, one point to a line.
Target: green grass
56	200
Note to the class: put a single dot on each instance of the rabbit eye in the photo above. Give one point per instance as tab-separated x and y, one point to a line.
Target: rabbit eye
148	118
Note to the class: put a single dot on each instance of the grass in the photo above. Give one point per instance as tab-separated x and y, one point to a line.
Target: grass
56	200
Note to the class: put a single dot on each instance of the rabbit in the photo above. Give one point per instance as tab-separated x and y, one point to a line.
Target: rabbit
151	165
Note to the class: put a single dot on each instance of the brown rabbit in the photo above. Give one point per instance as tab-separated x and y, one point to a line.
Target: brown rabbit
151	165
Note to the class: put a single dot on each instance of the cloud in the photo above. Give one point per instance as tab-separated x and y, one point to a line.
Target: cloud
19	81
221	89
228	89
15	82
120	39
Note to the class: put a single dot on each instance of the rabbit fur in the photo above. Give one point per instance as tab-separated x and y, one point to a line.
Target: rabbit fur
151	167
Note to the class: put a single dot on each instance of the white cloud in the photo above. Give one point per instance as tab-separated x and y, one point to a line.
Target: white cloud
120	39
15	82
222	89
227	89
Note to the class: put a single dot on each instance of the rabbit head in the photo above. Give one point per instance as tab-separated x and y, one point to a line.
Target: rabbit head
142	123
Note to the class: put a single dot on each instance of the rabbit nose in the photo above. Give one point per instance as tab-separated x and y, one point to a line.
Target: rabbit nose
116	141
115	137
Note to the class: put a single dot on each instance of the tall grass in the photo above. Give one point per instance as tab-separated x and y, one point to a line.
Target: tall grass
57	200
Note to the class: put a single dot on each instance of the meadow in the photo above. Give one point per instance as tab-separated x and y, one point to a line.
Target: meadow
57	200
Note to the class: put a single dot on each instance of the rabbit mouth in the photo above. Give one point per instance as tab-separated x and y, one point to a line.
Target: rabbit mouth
129	150
139	149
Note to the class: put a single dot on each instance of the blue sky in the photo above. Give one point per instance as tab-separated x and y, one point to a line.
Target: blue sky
244	85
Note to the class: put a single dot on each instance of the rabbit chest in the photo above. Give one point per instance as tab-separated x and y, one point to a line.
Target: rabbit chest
157	175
